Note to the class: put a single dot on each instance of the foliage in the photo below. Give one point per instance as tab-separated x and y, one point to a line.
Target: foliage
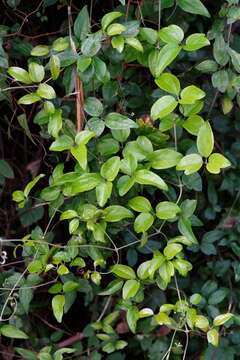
133	228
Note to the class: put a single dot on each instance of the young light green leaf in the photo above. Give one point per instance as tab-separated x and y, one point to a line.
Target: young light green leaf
110	168
172	34
19	74
201	322
165	57
116	213
213	337
31	184
58	302
54	64
36	72
55	123
110	17
145	313
79	152
130	289
132	318
60	44
193	7
40	50
190	163
83	63
164	158
135	43
85	182
143	222
63	142
103	193
190	94
115	29
118	43
140	204
12	332
149	34
29	99
146	177
195	42
193	123
195	299
205	140
222	318
162	319
123	271
171	250
163	106
169	83
216	162
185	228
167	210
46	91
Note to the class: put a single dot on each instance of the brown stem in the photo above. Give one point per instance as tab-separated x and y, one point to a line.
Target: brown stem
73	339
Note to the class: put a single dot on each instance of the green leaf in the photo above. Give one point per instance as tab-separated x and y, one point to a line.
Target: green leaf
188	207
19	74
213	337
108	146
143	222
85	182
118	43
116	213
83	137
63	142
220	80
171	250
193	123
58	355
235	57
54	64
182	266
162	319
163	106
216	162
142	271
185	228
115	121
93	106
135	43
220	50
222	318
110	168
169	83
125	183
115	29
70	286
103	193
205	140
167	210
190	163
207	66
165	57
195	299
113	287
82	24
31	184
123	271
27	354
29	99
46	91
193	7
166	271
195	42
83	63
146	177
140	204
148	34
58	302
164	159
22	120
155	264
190	94
172	34
110	17
60	44
91	45
6	170
201	322
12	332
96	125
132	318
79	152
218	296
130	289
40	50
55	123
63	270
36	72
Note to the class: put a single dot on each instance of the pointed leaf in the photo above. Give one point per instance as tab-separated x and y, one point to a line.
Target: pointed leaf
167	210
110	168
110	17
147	177
36	72
205	140
116	121
46	91
222	318
112	288
171	250
163	106
195	42
216	162
171	34
58	302
169	83
143	222
19	74
213	337
82	24
123	271
116	213
140	204
190	163
12	332
130	289
193	7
